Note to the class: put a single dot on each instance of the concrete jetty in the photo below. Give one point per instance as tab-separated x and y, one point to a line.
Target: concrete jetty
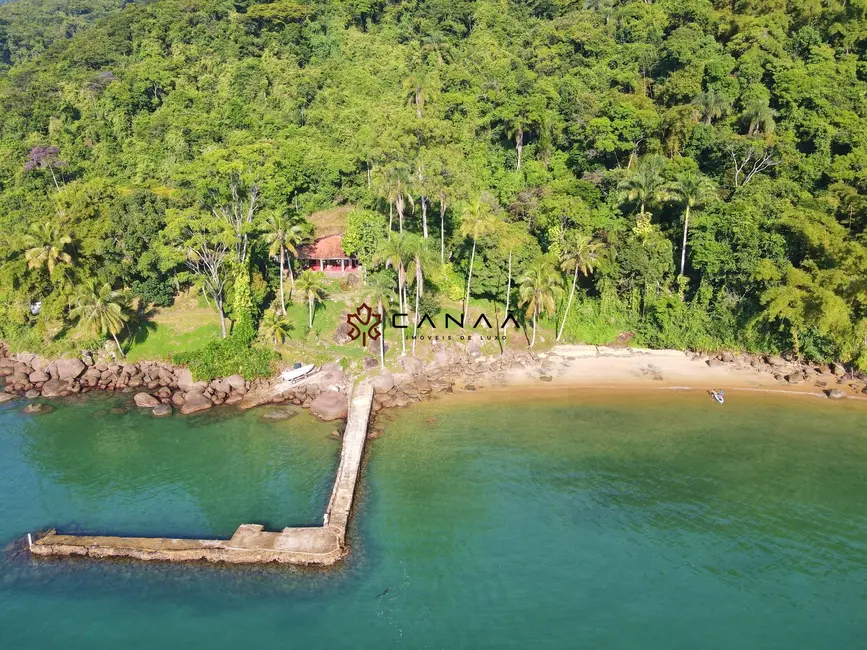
318	545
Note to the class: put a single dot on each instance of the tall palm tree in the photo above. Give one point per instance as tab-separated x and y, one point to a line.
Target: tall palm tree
540	289
759	117
645	185
274	326
476	220
422	259
380	292
509	237
99	310
312	285
579	255
396	252
282	234
691	189
711	105
46	246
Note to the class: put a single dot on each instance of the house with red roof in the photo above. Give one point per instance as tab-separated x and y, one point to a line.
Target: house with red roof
326	252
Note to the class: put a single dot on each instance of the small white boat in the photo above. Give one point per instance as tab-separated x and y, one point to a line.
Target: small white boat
296	373
719	396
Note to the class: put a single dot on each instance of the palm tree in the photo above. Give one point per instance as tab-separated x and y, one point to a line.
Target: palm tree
711	105
313	286
759	117
645	184
476	220
396	252
45	246
510	236
381	292
99	310
274	326
540	289
580	254
691	189
422	258
282	235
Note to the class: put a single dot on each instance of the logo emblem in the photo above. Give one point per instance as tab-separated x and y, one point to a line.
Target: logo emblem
364	323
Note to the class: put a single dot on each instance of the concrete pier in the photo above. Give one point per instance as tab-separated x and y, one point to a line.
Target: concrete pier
323	545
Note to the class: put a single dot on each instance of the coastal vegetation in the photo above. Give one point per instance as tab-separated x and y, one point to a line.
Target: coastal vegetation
684	174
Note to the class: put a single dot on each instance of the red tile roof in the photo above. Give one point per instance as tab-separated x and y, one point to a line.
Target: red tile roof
324	248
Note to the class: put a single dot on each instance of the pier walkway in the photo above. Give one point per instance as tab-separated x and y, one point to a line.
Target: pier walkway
321	545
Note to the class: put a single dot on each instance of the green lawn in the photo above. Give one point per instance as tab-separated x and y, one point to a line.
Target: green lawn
161	341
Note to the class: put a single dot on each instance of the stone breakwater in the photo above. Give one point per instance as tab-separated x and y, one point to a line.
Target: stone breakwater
251	544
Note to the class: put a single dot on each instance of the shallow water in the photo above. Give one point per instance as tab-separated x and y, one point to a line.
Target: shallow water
581	520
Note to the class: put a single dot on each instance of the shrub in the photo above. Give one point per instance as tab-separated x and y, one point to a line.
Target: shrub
230	356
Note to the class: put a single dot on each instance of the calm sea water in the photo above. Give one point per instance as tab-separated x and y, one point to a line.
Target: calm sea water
653	521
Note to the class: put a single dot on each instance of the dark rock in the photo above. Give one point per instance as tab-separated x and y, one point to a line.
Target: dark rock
726	357
546	378
329	405
776	361
470	388
795	378
713	363
835	393
162	411
369	362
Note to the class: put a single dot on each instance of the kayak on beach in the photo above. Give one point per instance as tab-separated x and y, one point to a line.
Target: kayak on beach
718	395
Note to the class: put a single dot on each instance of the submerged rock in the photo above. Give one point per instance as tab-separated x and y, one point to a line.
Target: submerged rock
835	393
282	413
6	397
162	411
33	409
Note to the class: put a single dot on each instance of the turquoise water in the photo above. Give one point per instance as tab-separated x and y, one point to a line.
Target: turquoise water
636	521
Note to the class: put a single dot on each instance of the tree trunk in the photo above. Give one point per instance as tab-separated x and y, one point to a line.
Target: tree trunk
291	280
415	318
390	216
403	329
382	336
533	342
399	205
508	292
310	307
219	304
282	297
683	247
469	281
519	145
117	343
424	216
568	304
442	229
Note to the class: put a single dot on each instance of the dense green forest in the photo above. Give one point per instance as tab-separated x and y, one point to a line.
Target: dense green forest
693	172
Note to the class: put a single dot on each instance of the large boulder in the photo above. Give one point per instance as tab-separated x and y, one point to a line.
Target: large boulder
412	365
56	388
69	369
330	405
236	382
382	383
39	376
146	401
185	379
194	402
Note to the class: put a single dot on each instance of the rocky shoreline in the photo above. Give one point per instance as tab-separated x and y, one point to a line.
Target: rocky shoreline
163	388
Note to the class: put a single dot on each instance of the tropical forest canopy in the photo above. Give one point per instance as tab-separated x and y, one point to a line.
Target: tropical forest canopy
697	170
